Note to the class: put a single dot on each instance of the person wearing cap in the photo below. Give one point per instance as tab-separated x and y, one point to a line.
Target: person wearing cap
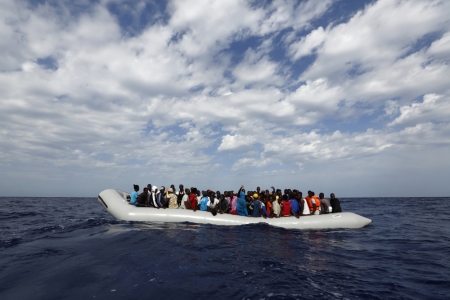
134	195
275	206
172	200
335	204
257	207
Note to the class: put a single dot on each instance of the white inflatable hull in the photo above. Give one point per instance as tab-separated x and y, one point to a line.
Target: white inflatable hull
115	203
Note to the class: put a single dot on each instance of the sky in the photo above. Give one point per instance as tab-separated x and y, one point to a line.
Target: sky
350	97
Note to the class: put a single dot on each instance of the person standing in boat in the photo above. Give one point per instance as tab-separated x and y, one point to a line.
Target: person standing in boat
335	204
241	204
134	195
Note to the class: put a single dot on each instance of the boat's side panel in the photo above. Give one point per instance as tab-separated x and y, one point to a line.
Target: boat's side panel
116	204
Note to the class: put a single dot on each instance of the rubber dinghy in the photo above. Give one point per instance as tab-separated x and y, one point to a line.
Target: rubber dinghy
115	202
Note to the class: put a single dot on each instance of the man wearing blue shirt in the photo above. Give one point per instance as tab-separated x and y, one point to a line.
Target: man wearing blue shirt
134	195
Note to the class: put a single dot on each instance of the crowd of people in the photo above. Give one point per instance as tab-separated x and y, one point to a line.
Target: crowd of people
267	204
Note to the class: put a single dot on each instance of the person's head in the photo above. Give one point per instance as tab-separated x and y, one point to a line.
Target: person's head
255	196
310	193
149	187
170	190
321	195
332	196
187	191
258	189
154	188
162	189
172	186
270	198
300	195
145	190
181	187
136	187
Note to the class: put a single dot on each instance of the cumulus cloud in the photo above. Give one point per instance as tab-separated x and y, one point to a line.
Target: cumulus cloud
207	85
434	108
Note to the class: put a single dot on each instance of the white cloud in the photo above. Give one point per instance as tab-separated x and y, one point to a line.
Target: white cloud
174	100
308	44
234	142
434	108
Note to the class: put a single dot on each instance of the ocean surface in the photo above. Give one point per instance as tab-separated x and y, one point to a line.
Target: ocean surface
71	248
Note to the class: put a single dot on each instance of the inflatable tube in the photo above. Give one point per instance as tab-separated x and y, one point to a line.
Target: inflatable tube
114	201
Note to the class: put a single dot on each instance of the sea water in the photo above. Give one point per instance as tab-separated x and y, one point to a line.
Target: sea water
71	248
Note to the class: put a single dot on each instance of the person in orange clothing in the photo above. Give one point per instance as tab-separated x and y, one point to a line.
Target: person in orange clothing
313	203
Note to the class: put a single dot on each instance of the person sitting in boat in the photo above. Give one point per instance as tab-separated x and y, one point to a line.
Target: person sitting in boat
204	201
335	204
241	204
184	199
142	198
181	193
224	206
295	207
149	200
233	202
257	207
313	203
213	202
134	195
304	208
268	205
325	207
192	202
275	206
161	198
285	206
171	199
152	196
